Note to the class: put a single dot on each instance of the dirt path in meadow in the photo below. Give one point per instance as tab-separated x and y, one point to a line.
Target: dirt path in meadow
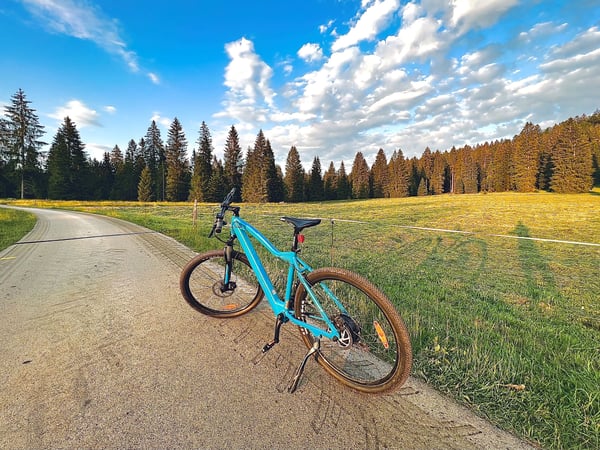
100	350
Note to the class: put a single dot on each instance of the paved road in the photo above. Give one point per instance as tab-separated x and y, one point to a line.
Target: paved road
99	350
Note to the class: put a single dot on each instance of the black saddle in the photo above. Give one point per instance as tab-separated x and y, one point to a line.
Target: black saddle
300	224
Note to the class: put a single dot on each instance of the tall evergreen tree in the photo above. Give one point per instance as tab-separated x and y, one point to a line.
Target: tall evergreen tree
527	157
273	179
438	173
204	159
67	165
216	189
359	177
156	161
343	188
177	183
330	183
233	163
380	177
572	161
20	144
398	176
254	182
145	186
294	177
315	182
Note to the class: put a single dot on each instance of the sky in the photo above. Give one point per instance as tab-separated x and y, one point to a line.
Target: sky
331	77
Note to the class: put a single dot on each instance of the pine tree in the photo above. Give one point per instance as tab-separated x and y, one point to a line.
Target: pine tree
145	186
359	177
315	182
233	163
426	163
67	165
294	177
155	160
438	173
572	161
177	183
343	188
253	180
330	183
273	179
398	173
20	144
216	189
204	159
380	177
527	157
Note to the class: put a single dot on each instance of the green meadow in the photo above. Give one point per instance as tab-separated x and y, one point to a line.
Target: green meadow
501	292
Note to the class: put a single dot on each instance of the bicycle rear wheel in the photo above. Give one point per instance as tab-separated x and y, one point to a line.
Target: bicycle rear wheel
201	283
374	352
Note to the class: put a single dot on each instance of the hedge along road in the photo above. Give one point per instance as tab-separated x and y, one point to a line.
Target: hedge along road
100	350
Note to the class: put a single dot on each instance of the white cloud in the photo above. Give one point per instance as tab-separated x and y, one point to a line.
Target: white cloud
247	76
154	78
160	120
79	113
469	14
110	109
369	25
311	52
82	20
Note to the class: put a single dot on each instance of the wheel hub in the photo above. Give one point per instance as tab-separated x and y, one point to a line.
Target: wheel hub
348	329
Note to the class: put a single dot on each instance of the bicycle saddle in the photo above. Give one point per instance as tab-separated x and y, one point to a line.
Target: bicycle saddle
301	224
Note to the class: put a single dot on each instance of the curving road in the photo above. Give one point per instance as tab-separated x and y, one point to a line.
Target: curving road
99	350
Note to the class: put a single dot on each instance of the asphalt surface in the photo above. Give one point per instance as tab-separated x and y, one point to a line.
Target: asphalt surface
99	350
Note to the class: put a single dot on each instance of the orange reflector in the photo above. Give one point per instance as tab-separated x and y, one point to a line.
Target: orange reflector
230	307
381	334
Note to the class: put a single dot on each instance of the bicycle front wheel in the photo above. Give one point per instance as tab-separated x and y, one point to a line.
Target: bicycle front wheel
202	286
373	353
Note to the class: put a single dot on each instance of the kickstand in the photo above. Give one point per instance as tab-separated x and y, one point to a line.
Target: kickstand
311	351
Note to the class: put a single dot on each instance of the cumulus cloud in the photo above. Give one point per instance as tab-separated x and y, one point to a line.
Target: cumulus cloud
405	84
311	52
369	25
79	113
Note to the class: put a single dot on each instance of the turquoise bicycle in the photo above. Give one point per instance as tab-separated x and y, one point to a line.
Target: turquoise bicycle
348	324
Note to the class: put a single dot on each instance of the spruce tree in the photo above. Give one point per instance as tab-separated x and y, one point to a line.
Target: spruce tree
204	159
329	183
254	181
527	158
233	163
359	177
315	182
398	173
343	188
144	190
380	177
177	182
572	161
67	165
294	177
20	144
155	160
273	179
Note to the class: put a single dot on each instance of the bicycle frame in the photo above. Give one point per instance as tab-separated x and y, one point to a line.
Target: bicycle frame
242	230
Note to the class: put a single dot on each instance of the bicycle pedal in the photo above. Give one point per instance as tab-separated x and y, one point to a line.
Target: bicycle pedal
268	346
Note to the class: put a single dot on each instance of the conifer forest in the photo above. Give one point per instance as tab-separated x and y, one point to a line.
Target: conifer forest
564	158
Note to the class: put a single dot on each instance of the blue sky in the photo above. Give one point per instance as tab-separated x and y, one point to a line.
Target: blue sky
331	77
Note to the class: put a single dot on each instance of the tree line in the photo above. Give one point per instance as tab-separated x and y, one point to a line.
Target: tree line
563	158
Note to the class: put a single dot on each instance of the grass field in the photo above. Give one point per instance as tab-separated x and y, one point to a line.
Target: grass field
501	292
14	224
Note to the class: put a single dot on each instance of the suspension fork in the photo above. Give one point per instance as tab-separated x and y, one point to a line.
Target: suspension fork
228	285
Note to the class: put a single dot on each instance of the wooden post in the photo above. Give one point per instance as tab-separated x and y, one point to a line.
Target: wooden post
195	212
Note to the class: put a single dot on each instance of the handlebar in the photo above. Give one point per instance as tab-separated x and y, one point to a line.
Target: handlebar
219	219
